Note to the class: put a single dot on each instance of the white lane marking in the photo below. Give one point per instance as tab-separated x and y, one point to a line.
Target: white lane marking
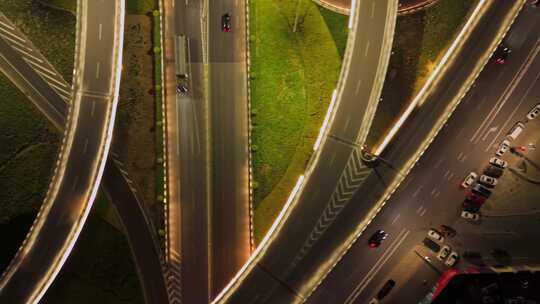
97	69
450	176
93	108
433	191
332	159
75	182
85	146
513	112
395	219
419	209
17	42
446	173
372	15
489	131
459	156
378	265
347	122
177	129
479	104
26	54
367	49
439	162
423	212
463	158
417	191
460	131
7	25
358	86
508	91
12	35
100	31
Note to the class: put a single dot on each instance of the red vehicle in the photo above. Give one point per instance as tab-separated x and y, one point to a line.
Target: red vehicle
226	22
476	199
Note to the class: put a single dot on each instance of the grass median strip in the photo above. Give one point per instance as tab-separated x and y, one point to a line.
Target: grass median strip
293	76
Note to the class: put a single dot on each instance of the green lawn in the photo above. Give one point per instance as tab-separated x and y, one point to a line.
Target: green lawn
28	150
133	7
293	75
420	40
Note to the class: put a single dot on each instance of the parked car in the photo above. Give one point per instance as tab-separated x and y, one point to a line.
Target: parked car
515	131
498	162
533	112
469	180
481	190
493	171
443	254
503	147
435	235
181	89
447	231
470	215
429	243
452	259
475	198
385	290
377	238
488	181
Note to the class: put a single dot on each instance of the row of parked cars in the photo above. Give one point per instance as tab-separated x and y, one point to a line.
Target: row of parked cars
481	186
435	242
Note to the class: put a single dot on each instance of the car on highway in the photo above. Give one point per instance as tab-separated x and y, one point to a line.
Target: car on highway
488	181
443	254
533	112
377	238
493	171
503	147
435	235
385	290
469	180
501	54
452	259
498	162
181	89
226	22
481	190
470	215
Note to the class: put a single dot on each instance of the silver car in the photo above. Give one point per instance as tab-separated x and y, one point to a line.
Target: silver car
505	146
498	162
470	216
488	180
533	112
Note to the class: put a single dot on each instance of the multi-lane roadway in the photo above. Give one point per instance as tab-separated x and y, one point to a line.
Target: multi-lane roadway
82	159
430	195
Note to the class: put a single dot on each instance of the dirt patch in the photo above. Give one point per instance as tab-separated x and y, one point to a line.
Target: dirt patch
134	140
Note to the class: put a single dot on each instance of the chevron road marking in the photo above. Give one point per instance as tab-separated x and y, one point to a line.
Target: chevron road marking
350	180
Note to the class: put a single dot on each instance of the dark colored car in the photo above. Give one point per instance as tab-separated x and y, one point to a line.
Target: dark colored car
385	290
376	239
470	206
429	243
501	54
493	171
475	198
481	190
226	22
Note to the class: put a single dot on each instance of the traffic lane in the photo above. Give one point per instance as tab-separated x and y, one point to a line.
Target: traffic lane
230	208
97	77
413	132
350	116
225	47
56	231
147	258
55	107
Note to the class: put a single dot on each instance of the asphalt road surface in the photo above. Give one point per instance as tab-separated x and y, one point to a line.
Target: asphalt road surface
430	195
140	231
59	223
230	208
277	277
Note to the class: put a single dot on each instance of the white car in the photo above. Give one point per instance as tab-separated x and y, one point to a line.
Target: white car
533	112
469	180
488	180
505	145
452	259
498	162
445	251
435	235
470	216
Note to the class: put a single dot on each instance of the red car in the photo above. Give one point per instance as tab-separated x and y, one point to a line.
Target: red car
476	199
226	22
377	238
501	54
